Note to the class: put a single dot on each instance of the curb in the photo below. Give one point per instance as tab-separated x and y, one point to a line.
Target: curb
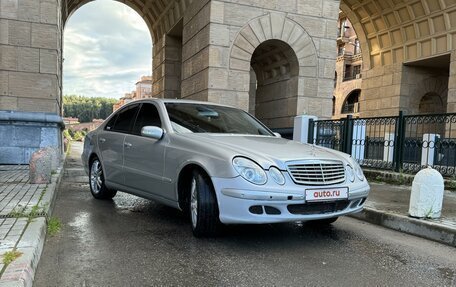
21	272
418	227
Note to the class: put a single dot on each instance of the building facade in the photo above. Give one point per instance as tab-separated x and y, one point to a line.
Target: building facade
143	90
348	76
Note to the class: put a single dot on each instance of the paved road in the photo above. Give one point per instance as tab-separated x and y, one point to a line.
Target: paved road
134	242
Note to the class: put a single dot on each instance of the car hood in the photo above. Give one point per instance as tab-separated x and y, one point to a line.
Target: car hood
268	150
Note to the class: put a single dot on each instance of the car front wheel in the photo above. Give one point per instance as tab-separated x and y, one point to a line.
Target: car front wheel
203	207
97	183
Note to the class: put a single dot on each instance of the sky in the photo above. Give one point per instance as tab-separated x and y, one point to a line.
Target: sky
107	48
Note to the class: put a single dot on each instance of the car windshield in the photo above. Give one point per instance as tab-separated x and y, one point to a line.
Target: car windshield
201	118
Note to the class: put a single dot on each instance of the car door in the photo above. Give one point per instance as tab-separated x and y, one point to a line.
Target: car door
111	143
144	156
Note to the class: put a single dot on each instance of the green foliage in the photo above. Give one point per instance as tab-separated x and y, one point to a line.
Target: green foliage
53	226
10	256
79	135
67	135
87	108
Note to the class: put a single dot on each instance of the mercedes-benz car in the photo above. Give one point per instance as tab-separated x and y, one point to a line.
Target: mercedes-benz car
219	165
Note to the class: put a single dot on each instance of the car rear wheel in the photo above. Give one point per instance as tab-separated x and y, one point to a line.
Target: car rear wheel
97	183
203	207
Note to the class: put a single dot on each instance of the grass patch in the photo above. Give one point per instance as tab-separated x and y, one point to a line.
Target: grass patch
53	226
10	256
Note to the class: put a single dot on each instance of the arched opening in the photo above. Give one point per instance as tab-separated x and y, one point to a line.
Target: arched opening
351	103
107	52
273	96
431	103
334	105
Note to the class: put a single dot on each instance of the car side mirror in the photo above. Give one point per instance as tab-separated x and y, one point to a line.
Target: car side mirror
152	132
278	135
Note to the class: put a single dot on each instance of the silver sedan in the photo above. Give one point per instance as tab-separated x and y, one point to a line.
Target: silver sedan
219	165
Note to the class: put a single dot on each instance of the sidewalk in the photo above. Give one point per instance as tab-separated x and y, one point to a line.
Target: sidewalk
23	211
388	205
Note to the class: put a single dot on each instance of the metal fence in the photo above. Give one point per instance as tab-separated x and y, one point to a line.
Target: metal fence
400	143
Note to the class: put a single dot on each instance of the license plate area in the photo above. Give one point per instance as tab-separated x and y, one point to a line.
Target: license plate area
326	194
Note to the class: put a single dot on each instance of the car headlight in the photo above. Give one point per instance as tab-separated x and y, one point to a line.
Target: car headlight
350	173
277	175
359	172
249	170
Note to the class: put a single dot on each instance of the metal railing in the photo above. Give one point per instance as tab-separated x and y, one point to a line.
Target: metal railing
400	143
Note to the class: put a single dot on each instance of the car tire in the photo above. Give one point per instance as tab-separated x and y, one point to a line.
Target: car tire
203	207
323	222
97	183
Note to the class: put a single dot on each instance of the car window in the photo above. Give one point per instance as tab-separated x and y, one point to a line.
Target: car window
148	116
202	118
111	122
125	119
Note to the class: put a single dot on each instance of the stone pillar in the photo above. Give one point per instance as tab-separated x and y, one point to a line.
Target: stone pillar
30	76
381	92
195	51
451	101
167	66
30	49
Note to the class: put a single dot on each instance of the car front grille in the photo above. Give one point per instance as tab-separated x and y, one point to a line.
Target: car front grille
318	207
316	172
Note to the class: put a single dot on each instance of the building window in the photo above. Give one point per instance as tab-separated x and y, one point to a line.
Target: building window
356	71
340	50
357	47
343	27
351	104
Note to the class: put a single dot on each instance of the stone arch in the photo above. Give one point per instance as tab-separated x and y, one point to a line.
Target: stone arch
156	13
431	103
73	5
276	70
274	26
297	46
431	88
401	30
351	102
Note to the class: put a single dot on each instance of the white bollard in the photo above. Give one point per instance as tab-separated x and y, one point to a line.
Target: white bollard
426	197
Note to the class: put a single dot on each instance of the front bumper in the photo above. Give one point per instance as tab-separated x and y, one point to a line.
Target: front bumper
286	203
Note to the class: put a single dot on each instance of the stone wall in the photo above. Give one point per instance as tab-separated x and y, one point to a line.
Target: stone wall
389	89
23	133
237	28
30	55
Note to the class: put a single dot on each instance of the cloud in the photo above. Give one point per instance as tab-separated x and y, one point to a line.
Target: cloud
107	48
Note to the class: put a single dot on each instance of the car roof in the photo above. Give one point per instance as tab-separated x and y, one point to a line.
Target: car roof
180	101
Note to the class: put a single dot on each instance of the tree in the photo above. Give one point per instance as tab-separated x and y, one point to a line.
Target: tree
87	108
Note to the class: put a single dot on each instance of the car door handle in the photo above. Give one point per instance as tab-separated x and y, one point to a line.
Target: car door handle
127	145
102	140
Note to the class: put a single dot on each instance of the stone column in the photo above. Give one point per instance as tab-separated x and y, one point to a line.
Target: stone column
30	76
167	66
30	62
451	101
195	51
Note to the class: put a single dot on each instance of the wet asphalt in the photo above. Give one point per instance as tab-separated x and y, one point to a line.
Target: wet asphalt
129	241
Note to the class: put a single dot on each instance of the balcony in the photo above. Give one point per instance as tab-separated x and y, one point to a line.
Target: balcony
350	77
